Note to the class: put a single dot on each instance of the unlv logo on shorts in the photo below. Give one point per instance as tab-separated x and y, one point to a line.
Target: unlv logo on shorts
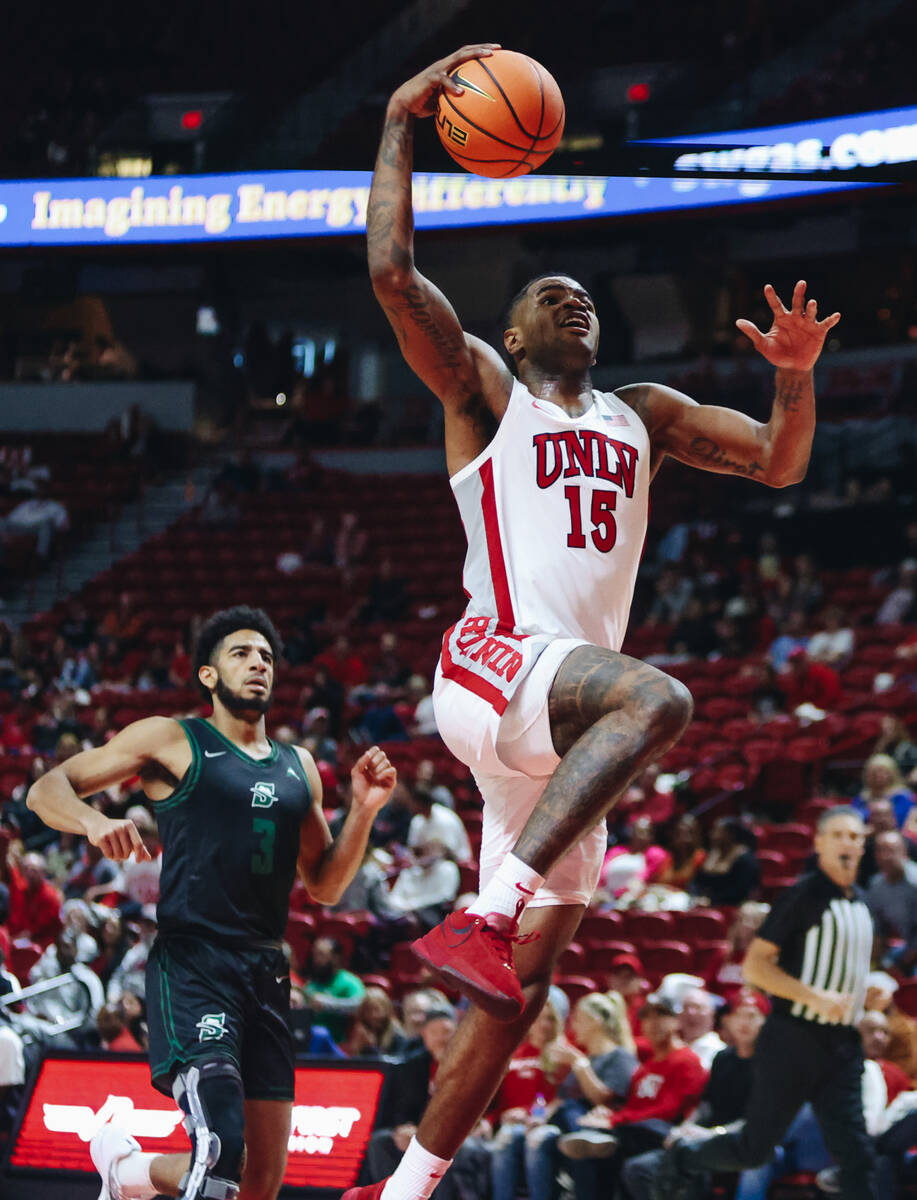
263	795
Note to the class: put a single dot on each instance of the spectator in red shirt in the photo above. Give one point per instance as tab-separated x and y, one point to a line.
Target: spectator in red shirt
342	663
34	902
808	682
664	1089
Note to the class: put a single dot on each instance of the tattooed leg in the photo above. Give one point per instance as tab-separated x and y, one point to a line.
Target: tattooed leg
610	717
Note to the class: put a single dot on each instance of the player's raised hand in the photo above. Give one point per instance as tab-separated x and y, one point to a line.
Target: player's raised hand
796	337
373	778
420	94
118	840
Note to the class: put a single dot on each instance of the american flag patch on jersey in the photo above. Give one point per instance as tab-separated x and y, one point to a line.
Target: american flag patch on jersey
615	418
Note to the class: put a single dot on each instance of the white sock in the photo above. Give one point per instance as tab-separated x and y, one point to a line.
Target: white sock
132	1174
513	885
416	1175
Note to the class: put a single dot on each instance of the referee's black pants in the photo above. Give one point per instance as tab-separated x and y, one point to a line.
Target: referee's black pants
796	1061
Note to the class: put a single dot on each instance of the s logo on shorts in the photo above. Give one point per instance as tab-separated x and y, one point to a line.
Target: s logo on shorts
212	1026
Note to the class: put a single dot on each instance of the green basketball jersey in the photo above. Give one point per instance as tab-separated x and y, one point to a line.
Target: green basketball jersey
230	840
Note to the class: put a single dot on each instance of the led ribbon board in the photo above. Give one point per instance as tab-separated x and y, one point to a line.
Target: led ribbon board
334	1111
219	208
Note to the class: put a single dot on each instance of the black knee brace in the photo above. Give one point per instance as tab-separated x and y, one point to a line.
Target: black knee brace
211	1097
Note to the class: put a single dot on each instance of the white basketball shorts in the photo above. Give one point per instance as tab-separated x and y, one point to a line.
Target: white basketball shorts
490	698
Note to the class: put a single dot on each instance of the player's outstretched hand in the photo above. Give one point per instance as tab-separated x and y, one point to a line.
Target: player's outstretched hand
796	337
373	778
420	94
118	840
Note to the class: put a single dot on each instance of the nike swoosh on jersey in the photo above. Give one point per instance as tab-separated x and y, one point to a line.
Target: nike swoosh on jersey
213	753
290	771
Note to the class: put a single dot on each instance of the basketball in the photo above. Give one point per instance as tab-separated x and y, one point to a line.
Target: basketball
508	120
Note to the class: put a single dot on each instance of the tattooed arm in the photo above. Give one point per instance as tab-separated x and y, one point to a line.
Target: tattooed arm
728	442
466	374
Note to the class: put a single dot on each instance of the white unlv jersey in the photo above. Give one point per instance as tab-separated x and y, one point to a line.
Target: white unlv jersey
555	512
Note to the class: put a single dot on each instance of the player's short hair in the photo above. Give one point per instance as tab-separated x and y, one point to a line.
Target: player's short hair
510	311
221	624
831	814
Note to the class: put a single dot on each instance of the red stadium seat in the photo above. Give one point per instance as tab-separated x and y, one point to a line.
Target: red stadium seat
599	927
23	957
299	935
700	925
707	958
573	959
906	998
793	840
378	981
645	926
599	959
575	987
665	958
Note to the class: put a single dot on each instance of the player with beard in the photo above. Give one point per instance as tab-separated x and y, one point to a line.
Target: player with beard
238	815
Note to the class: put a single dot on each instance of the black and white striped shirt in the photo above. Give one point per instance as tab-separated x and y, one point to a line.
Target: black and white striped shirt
825	940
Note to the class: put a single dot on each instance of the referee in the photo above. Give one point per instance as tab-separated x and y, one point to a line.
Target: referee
812	955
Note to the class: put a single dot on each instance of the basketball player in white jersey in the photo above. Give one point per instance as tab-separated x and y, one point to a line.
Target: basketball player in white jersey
551	478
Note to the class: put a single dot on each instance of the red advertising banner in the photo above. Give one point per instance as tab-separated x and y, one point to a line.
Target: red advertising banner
333	1115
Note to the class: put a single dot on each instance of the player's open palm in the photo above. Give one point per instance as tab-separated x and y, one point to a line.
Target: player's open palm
373	778
420	94
796	337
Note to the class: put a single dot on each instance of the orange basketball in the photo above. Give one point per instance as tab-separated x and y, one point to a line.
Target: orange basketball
509	118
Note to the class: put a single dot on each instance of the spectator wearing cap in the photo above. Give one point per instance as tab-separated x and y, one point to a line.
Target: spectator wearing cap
627	979
892	898
808	682
414	1008
726	1091
902	1029
882	780
663	1090
317	737
730	871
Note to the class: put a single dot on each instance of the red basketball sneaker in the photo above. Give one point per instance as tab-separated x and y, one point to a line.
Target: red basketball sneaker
371	1192
475	956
